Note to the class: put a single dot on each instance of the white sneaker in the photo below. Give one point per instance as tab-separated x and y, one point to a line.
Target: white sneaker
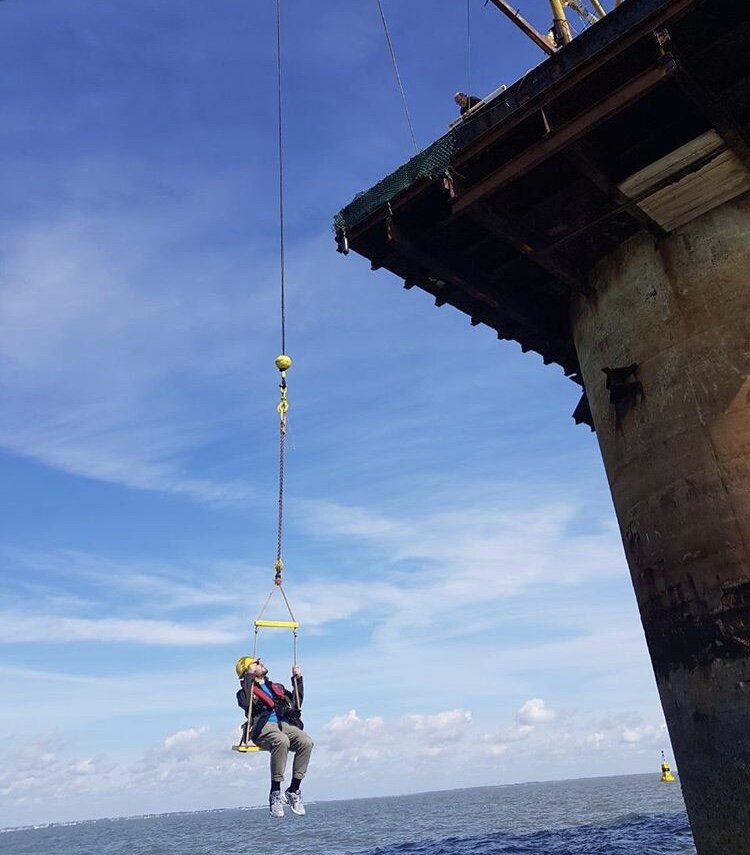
276	803
294	800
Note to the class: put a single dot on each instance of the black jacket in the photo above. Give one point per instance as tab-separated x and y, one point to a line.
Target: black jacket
471	101
287	708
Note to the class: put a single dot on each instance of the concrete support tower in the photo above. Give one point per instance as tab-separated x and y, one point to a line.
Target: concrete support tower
598	213
679	471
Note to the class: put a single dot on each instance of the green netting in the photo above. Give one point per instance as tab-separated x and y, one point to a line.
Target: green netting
430	163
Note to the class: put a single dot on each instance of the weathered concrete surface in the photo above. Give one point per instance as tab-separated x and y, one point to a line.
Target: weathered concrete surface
679	471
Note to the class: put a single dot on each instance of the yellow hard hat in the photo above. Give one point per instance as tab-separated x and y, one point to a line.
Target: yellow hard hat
242	664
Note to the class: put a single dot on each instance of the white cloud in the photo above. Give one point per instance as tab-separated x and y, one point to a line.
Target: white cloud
184	737
352	741
499	740
424	749
345	731
534	711
40	769
497	749
44	775
531	714
630	737
648	734
444	725
626	731
514	733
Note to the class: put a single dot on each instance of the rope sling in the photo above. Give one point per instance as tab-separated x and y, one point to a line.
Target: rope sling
283	363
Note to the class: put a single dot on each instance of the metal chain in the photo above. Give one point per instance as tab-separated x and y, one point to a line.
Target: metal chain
282	410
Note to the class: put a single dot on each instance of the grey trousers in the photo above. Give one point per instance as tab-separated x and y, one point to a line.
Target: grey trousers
279	742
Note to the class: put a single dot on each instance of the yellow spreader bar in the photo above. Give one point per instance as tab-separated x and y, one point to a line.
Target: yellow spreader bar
245	749
278	624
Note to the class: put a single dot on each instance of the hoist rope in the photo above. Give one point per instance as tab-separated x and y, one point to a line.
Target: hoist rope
398	76
283	405
283	363
280	127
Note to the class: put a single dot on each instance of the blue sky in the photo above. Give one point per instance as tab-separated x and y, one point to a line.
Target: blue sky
451	547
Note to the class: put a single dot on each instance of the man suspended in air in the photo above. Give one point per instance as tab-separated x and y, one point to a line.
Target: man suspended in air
274	724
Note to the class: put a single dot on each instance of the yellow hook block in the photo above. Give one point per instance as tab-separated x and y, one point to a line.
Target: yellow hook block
283	362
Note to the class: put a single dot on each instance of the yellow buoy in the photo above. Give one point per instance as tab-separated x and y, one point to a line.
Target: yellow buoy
283	362
666	773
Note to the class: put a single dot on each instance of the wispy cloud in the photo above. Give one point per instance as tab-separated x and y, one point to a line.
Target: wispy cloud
99	334
646	735
628	731
436	569
44	629
184	737
465	562
531	715
152	586
350	741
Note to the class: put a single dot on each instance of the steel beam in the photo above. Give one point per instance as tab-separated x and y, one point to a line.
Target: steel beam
531	245
715	110
479	288
566	134
524	26
579	156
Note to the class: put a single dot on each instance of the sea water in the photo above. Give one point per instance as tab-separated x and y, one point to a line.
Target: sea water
632	815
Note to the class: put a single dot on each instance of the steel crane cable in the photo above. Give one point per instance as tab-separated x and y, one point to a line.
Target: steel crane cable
283	363
280	129
398	76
